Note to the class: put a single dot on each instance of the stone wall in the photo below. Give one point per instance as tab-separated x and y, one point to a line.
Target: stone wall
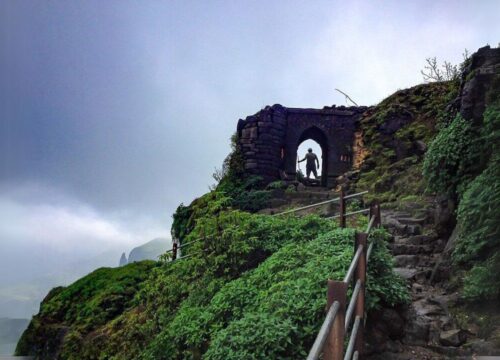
270	138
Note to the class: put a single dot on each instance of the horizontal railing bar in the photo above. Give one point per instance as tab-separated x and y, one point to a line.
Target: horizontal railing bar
352	304
352	340
349	213
370	224
320	203
353	265
307	207
369	252
354	195
188	243
323	333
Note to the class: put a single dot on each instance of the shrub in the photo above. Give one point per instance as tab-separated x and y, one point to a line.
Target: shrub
483	281
479	216
452	157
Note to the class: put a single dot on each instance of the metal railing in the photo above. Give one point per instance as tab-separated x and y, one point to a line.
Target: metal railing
176	247
330	338
340	199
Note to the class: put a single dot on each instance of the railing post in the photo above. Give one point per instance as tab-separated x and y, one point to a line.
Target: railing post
342	208
334	346
361	239
174	250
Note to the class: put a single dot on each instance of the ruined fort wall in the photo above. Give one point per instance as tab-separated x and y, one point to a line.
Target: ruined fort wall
270	138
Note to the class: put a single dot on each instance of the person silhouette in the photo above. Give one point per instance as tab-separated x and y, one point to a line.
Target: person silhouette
312	163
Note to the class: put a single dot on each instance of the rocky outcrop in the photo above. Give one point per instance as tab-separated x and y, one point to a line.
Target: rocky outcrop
123	260
479	78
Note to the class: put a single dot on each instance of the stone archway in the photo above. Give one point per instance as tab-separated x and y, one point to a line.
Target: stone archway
314	133
269	140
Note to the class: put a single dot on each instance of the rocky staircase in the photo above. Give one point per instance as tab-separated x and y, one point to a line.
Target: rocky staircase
425	329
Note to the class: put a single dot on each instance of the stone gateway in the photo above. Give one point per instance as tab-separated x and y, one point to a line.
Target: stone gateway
269	140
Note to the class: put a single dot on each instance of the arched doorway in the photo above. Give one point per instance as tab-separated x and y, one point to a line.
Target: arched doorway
314	138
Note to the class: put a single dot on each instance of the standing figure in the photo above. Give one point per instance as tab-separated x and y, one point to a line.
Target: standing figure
312	163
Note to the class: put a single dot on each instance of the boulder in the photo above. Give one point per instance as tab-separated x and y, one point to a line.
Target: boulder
454	337
444	218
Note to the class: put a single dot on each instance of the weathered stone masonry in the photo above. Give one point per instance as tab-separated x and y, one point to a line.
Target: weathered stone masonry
270	138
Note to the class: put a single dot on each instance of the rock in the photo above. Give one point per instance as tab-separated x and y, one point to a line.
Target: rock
414	229
411	220
454	337
394	323
477	79
483	347
393	223
123	260
416	331
420	147
406	273
406	260
425	308
444	218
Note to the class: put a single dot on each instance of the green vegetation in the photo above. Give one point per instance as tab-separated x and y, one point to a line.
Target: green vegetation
452	158
478	244
396	133
247	276
86	305
463	161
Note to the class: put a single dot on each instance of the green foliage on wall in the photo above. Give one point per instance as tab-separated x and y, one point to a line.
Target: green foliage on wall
452	158
478	243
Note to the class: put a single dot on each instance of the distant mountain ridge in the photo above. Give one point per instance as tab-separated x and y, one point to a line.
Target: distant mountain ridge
148	251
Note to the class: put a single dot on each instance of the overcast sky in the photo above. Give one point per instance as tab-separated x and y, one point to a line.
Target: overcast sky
114	112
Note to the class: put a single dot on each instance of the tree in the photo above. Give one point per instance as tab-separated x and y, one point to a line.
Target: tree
446	72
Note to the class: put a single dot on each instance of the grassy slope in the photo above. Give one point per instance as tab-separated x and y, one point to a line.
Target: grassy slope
264	277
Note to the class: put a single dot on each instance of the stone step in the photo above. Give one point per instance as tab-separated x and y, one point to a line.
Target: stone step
414	261
425	307
414	240
411	220
400	228
407	249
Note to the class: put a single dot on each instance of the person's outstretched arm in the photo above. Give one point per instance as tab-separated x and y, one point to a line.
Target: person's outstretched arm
302	159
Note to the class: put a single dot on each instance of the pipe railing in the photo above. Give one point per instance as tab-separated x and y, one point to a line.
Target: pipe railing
322	203
342	215
330	338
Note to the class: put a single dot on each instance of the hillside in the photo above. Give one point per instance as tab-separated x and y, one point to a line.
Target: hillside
253	285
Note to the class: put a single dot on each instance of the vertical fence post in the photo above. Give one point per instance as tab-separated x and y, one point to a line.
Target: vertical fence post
334	346
361	239
342	208
174	250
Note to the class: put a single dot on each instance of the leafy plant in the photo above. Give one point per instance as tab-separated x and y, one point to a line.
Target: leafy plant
452	158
